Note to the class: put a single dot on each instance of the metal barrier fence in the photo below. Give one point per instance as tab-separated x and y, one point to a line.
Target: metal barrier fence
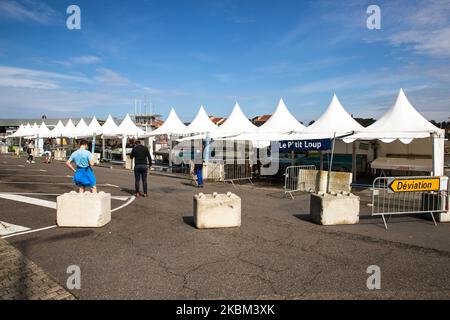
235	170
295	178
387	202
231	170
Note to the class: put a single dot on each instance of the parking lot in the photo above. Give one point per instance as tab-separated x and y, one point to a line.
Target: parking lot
151	250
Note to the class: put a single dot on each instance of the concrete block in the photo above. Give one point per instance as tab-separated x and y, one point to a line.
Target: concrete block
339	181
96	158
316	181
445	216
334	208
213	171
60	154
217	210
83	209
129	163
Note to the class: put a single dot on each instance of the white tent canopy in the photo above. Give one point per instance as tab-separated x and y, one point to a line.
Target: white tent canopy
401	121
237	123
19	132
81	129
281	121
31	132
201	124
57	131
334	121
109	128
171	126
279	124
43	131
69	129
94	127
129	129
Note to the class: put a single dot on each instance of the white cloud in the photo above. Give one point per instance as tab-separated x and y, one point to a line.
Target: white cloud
34	79
33	11
111	78
82	60
162	92
432	42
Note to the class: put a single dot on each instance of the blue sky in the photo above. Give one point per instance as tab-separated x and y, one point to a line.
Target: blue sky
183	54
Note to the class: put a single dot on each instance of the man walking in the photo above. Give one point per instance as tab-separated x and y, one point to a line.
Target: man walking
142	161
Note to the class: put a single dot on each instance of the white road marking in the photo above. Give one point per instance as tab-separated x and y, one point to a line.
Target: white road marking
32	175
49	204
35	201
111	185
21	169
132	198
30	231
120	198
9	228
58	183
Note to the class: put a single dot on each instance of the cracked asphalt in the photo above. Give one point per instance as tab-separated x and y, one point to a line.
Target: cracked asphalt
151	250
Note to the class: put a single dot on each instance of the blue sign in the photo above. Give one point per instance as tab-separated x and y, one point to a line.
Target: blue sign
305	145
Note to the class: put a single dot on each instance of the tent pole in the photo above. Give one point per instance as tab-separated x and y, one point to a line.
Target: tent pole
321	160
93	143
354	161
330	164
124	150
169	143
438	154
103	147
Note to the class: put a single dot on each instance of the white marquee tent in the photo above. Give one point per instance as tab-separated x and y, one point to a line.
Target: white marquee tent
172	126
281	123
237	123
81	130
69	130
403	122
127	128
57	131
19	132
109	128
43	131
201	124
335	120
94	127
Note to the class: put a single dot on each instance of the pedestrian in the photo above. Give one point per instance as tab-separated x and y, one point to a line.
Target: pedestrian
84	175
47	151
30	149
198	167
142	162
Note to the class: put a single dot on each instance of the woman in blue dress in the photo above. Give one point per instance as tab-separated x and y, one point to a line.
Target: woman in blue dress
84	175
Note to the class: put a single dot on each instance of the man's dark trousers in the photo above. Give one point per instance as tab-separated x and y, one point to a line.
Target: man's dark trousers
140	171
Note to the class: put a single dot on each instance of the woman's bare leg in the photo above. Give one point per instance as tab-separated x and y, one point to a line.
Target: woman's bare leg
94	189
81	189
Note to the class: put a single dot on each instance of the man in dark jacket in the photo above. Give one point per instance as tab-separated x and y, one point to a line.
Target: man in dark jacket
142	161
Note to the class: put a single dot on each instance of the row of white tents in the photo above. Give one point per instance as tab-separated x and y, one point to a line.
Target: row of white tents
401	121
126	128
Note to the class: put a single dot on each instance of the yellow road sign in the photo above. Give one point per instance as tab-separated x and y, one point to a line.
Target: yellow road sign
411	185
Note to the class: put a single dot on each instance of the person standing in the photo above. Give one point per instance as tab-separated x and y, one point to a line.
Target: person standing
198	166
84	175
30	149
142	162
47	151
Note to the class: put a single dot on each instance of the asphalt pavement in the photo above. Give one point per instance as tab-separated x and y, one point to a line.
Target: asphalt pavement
151	250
